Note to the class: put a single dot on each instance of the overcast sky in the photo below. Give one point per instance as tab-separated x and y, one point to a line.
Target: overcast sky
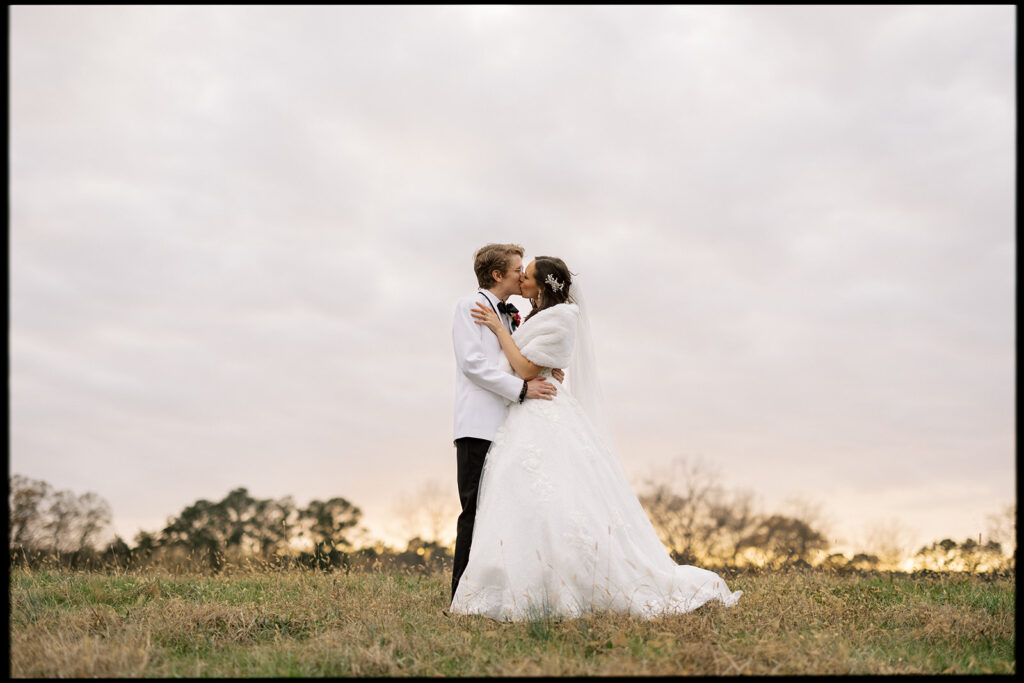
237	236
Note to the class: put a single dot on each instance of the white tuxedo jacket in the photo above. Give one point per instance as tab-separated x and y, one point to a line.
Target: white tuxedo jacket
482	391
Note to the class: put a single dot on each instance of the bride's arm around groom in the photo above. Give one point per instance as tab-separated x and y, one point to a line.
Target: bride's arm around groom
483	389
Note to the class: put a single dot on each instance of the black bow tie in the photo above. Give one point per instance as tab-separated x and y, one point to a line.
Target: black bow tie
507	309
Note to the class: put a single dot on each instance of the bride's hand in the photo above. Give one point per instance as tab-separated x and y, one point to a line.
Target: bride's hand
484	315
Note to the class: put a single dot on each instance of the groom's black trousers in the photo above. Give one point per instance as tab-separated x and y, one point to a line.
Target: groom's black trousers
470	453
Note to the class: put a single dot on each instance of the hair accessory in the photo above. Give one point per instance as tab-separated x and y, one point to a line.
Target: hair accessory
553	283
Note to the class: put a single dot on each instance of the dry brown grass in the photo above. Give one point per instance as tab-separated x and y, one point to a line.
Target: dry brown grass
298	623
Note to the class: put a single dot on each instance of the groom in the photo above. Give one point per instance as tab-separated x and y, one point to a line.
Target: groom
482	391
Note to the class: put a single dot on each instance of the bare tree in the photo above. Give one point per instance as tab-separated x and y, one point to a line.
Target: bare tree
45	520
62	517
677	501
736	520
26	498
1002	528
94	517
700	521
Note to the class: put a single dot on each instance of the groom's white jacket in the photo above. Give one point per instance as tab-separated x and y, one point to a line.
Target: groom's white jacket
482	391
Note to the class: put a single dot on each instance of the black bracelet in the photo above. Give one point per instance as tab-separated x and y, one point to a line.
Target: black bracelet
522	394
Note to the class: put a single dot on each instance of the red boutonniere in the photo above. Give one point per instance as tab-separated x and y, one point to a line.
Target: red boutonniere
515	320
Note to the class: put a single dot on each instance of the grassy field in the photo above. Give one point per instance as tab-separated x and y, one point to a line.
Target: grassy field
65	624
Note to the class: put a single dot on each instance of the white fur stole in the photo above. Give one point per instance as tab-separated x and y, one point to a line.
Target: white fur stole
547	339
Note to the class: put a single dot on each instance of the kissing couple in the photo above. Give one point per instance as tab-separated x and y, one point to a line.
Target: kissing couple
550	526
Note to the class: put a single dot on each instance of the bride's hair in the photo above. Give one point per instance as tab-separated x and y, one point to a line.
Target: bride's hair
552	267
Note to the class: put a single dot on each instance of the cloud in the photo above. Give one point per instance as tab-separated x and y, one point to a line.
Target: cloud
237	237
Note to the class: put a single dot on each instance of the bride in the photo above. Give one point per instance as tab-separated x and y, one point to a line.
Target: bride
559	531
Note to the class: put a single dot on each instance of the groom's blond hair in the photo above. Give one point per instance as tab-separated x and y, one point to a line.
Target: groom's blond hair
494	257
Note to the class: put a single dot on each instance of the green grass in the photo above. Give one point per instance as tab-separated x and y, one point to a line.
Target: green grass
155	624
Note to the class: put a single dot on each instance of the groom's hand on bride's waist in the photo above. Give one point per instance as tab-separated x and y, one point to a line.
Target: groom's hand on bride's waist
559	375
540	387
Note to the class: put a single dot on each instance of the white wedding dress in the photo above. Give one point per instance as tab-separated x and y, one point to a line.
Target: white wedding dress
559	531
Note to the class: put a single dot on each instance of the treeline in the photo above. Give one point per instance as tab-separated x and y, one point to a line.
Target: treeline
56	527
43	519
698	520
703	523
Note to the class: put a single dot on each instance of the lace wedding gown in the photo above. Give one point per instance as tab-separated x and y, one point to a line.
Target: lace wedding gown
559	531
